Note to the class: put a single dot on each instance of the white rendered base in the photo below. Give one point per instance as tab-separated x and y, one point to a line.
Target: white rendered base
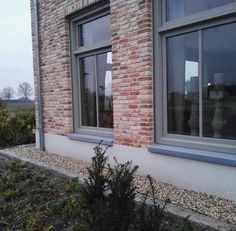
189	174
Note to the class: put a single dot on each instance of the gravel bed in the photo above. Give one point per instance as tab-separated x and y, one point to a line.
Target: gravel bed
212	206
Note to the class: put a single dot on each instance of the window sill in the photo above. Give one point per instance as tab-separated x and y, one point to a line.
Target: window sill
91	139
194	154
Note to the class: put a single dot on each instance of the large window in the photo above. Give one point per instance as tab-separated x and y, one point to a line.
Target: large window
92	76
196	77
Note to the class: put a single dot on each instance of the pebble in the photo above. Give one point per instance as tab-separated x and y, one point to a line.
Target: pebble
210	205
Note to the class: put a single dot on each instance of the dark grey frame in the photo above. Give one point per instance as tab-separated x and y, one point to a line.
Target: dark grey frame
87	14
162	30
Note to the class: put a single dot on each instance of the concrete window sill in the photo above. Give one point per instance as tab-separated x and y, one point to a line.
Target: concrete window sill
91	139
194	154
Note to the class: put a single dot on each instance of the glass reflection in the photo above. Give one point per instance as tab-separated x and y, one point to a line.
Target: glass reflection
183	84
180	8
96	68
88	91
219	82
95	31
104	62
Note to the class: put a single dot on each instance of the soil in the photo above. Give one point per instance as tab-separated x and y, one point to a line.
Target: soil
34	199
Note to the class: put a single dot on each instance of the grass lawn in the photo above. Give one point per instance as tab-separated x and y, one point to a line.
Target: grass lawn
35	199
19	107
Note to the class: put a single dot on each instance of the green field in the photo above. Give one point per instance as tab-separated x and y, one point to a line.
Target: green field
19	107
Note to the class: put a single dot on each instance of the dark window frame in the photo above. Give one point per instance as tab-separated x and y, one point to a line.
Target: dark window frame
163	29
92	12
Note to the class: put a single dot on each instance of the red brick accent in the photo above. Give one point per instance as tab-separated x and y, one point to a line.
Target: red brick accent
132	72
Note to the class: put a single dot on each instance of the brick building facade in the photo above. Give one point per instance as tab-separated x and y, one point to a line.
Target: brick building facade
132	83
133	91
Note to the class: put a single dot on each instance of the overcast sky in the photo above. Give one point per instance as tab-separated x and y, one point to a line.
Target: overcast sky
15	44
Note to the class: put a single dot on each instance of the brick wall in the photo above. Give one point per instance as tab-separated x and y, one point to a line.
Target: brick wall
132	72
55	63
132	68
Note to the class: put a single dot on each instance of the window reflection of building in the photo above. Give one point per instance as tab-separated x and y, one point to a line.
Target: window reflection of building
183	82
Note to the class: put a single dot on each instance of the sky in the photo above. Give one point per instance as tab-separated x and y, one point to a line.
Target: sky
15	44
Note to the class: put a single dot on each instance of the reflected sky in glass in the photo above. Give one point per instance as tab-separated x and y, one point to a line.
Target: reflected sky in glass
95	31
180	8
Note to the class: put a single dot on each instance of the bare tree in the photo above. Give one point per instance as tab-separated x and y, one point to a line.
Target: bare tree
7	93
25	90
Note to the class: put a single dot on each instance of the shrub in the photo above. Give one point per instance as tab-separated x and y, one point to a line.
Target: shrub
122	196
4	129
16	129
108	195
186	225
150	217
106	201
2	104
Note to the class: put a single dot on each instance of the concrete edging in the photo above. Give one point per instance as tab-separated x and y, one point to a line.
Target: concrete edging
200	220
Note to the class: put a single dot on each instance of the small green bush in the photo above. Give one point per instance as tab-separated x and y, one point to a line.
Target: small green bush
150	217
2	104
17	128
107	198
4	129
186	225
106	201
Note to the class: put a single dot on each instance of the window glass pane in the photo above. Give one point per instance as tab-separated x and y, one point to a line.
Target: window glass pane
88	91
180	8
95	31
219	81
104	62
183	84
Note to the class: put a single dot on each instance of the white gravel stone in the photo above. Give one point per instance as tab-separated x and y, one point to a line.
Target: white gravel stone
203	203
